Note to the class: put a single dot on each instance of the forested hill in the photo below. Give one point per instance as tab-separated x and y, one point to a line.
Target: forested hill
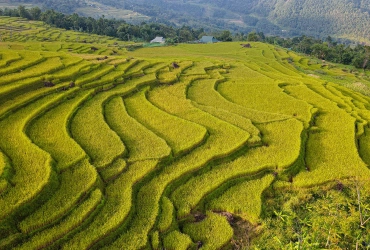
341	18
346	19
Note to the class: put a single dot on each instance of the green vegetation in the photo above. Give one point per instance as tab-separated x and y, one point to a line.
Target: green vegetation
114	170
115	209
141	143
72	221
364	146
276	153
166	218
331	126
203	92
259	96
243	199
321	217
54	136
33	167
214	231
181	138
2	163
179	147
90	130
176	240
74	183
342	19
28	59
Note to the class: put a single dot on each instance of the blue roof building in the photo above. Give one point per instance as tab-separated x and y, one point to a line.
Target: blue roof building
208	39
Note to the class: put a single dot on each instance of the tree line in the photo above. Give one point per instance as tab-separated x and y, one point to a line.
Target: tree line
143	32
338	18
328	49
109	27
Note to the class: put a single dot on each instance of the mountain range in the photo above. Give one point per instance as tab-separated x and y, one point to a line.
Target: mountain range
345	19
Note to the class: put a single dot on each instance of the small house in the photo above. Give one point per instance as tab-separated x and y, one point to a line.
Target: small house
158	39
208	39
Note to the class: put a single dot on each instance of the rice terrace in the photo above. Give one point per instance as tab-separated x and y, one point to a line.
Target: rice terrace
194	146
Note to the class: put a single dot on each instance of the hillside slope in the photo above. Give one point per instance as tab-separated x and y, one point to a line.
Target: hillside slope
345	19
177	147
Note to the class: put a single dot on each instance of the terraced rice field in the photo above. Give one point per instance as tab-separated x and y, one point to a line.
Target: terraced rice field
128	151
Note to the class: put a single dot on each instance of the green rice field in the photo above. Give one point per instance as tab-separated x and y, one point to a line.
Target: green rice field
182	147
